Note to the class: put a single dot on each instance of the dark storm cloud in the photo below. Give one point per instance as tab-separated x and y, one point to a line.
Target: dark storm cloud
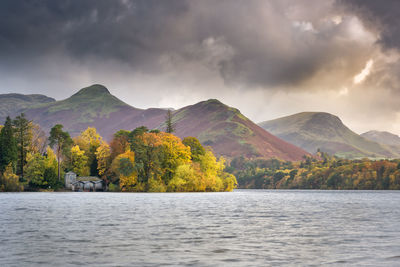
247	42
121	30
383	16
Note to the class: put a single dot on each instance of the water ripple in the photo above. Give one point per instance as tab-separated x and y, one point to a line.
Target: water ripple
243	228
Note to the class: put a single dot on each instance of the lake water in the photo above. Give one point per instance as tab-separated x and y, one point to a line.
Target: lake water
241	228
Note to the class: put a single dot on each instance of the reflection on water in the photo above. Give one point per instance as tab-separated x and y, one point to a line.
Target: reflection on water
246	227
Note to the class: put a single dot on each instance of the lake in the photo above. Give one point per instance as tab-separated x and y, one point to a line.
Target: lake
240	228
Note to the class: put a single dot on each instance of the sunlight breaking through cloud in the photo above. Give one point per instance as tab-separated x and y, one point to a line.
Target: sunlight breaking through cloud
364	73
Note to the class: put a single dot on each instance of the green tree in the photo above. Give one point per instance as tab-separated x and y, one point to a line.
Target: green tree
34	170
41	170
147	148
23	135
61	141
196	148
8	146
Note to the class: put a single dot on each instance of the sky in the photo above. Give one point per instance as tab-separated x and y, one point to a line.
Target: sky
267	58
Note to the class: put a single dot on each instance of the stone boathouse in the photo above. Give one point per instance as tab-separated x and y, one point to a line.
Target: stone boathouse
83	183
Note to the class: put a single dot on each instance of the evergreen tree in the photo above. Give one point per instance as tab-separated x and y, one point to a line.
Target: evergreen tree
8	146
23	135
168	121
61	141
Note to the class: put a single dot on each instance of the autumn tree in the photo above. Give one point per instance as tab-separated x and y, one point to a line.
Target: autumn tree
187	178
147	147
173	154
88	141
9	182
212	170
120	143
61	141
103	154
124	167
79	161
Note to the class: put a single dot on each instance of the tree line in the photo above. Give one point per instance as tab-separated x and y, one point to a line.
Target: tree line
320	172
141	160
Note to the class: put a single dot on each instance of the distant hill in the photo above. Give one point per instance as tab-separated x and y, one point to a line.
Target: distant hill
386	138
11	104
225	129
382	137
318	130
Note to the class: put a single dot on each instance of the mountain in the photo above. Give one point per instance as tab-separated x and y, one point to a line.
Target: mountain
318	130
382	137
230	133
12	104
93	106
225	129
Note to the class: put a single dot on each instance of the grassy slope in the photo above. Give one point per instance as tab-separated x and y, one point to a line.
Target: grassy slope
91	102
313	130
230	133
92	106
11	104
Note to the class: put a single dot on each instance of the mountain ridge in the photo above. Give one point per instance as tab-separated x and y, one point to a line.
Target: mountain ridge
13	103
320	130
224	128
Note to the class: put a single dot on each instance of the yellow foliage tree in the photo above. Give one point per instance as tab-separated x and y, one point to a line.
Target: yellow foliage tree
187	178
88	139
79	161
103	154
175	153
9	181
212	170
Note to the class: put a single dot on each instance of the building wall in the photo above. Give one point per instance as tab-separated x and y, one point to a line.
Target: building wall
69	178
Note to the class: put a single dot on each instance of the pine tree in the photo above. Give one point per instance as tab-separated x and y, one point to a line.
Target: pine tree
168	121
23	135
8	146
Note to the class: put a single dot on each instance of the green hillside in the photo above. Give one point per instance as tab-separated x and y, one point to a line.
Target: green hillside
317	130
91	102
92	106
12	104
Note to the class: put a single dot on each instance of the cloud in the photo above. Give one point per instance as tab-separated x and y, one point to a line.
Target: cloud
382	16
268	58
251	43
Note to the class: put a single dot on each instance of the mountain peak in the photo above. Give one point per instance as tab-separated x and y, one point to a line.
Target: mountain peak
211	102
93	90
